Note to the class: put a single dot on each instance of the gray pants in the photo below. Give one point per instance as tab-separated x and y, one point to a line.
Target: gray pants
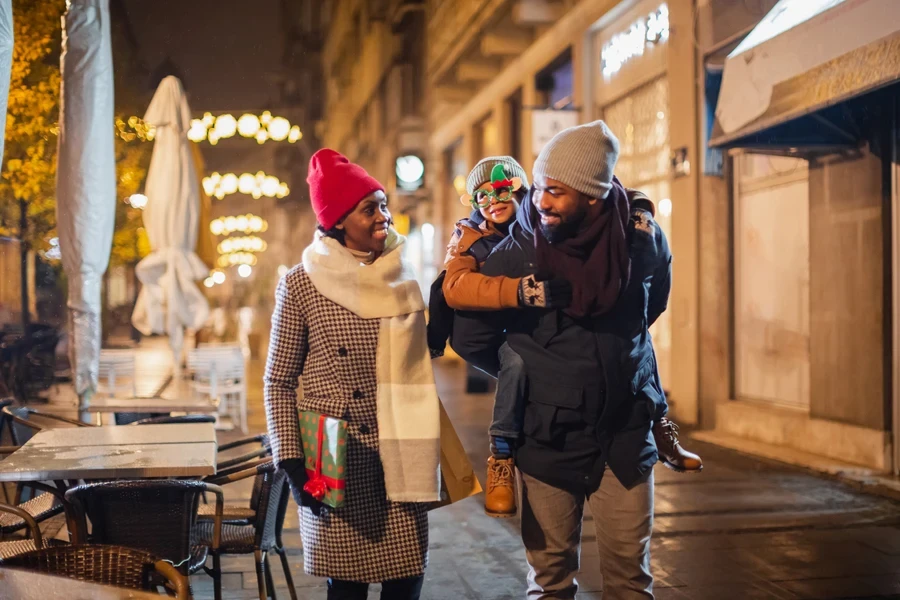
551	531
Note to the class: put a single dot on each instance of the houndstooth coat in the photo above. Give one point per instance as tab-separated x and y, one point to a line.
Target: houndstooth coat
369	539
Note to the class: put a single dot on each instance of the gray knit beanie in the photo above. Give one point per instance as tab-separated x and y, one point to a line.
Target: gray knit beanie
481	174
582	157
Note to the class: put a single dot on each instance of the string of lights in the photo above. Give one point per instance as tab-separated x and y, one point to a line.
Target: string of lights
248	223
262	128
249	243
258	185
237	258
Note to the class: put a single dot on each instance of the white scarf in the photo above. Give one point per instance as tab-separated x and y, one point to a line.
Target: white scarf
407	400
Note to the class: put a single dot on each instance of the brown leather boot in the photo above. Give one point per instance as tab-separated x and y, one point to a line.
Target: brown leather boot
500	497
671	454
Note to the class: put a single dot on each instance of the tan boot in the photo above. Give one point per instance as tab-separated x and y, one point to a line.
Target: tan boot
500	497
671	454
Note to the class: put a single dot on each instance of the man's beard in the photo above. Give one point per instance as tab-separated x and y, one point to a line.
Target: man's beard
566	228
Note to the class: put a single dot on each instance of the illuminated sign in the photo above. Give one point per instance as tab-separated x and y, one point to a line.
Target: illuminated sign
646	31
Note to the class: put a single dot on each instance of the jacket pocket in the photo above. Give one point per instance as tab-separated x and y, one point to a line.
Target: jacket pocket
552	411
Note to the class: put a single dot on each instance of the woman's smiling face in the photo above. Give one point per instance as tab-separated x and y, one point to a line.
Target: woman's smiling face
366	226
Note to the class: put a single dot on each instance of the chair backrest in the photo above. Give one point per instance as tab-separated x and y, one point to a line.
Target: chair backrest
203	360
24	422
216	371
109	565
269	493
116	370
154	516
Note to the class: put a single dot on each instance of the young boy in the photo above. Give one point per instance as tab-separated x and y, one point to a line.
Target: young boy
494	189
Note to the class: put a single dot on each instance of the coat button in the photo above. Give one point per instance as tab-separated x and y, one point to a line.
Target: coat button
342	352
364	429
357	395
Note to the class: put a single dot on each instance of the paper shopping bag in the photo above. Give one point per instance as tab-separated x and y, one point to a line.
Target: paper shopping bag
458	480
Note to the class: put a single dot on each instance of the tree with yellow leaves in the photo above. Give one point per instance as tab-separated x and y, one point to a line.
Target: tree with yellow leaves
28	176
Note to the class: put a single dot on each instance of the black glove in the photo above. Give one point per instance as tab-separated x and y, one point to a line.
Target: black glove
295	469
553	293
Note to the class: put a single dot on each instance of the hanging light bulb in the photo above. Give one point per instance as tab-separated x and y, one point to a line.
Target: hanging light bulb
246	183
226	126
279	129
270	186
229	183
248	125
197	132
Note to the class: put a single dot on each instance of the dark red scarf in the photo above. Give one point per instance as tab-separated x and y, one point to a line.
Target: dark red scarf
595	260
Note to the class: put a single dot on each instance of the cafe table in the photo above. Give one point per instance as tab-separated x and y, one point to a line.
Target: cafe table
115	452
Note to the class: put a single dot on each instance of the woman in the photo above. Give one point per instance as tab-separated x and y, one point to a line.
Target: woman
350	320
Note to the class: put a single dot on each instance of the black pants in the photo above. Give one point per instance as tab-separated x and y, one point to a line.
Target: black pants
399	589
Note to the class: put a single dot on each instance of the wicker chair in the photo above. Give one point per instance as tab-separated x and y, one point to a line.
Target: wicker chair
109	565
36	542
262	448
41	507
237	514
261	535
154	516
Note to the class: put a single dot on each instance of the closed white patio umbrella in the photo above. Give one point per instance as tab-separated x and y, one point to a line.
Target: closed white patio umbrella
86	179
170	300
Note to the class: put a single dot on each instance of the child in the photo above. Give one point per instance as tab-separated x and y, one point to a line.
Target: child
494	189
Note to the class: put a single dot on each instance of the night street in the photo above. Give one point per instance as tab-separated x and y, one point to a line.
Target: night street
254	254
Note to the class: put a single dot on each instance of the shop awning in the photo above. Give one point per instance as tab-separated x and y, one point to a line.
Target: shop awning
784	84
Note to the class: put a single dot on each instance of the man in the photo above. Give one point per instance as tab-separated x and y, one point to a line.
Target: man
593	387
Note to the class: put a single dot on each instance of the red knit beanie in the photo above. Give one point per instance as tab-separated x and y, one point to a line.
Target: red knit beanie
336	186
